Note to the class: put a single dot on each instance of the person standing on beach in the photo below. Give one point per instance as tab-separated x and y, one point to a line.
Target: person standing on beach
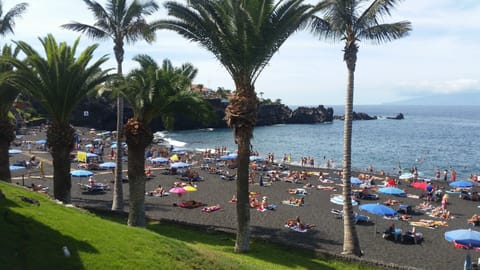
445	175
41	168
437	174
453	175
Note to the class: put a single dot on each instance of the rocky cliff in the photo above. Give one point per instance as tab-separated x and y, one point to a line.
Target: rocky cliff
102	115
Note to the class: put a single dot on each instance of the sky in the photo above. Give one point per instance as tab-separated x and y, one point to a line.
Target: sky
440	56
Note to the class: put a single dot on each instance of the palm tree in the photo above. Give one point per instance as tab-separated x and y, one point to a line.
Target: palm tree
8	94
352	21
7	22
243	35
119	22
153	92
58	82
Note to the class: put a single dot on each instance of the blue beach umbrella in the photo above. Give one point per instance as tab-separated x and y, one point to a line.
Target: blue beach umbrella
107	165
14	151
468	238
229	157
179	165
41	141
378	210
461	184
81	173
392	191
159	160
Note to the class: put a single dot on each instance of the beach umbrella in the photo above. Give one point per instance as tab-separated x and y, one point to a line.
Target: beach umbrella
90	155
338	199
229	157
378	210
81	173
88	145
461	184
174	157
14	151
392	191
405	176
179	165
107	165
466	238
189	188
177	190
41	141
159	160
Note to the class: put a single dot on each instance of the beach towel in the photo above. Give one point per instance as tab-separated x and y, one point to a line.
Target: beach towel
269	207
287	202
210	209
296	228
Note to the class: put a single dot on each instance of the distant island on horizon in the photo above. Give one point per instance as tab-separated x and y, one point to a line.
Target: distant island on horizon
469	98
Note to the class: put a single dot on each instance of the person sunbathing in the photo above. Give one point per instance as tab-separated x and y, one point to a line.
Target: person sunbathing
254	203
474	220
297	202
296	223
391	202
320	187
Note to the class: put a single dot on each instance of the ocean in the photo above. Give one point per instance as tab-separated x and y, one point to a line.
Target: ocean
429	137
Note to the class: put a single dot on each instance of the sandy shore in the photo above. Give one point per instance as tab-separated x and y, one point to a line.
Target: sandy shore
433	253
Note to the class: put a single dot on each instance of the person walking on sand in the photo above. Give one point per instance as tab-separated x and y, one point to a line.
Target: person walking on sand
445	175
41	168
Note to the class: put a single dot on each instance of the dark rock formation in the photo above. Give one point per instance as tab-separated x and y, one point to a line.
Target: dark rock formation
397	117
307	115
272	114
357	116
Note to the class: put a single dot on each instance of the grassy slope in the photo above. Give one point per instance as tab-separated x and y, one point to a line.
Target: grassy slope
32	237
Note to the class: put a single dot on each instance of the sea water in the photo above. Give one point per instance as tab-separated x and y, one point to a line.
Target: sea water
430	137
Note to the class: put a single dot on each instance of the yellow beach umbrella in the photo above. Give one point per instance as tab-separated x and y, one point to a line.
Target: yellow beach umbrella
174	157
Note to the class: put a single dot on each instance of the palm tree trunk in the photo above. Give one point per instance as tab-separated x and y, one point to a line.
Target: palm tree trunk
60	141
7	135
117	203
136	184
138	138
351	244
5	162
243	205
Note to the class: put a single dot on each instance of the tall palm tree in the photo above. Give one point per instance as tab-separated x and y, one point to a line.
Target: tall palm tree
243	35
7	22
8	94
119	22
154	91
58	81
352	21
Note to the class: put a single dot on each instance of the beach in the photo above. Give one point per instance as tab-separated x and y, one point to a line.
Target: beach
432	253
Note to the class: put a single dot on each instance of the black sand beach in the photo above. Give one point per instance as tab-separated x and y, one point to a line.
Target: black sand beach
433	253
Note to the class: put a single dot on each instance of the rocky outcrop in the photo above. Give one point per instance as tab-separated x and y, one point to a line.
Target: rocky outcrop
273	114
397	117
308	115
357	116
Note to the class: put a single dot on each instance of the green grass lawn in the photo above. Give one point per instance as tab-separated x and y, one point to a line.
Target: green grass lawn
32	237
